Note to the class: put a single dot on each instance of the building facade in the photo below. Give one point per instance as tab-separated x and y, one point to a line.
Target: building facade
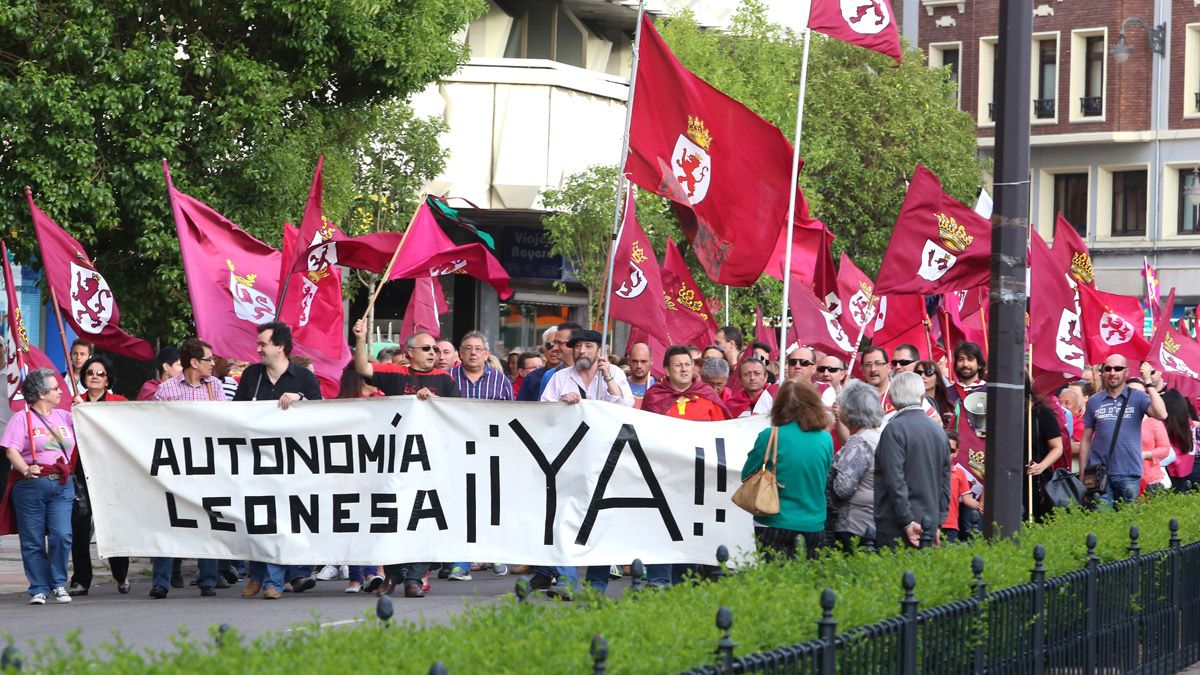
1114	137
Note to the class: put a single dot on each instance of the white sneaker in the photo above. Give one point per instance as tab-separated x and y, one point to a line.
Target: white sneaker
615	572
38	599
459	574
329	573
60	594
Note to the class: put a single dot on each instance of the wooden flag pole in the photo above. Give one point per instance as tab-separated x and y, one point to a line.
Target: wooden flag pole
1029	440
395	254
62	334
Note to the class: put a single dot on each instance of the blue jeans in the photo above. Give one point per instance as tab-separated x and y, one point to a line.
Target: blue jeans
43	508
271	575
596	576
1121	489
162	572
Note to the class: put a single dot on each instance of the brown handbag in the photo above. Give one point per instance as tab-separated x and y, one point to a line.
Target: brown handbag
759	494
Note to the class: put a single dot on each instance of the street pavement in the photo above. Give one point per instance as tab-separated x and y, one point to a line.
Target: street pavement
143	622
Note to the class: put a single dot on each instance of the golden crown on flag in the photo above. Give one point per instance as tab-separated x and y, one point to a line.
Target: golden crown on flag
1170	344
953	235
1081	268
638	255
326	229
698	133
316	276
866	289
247	280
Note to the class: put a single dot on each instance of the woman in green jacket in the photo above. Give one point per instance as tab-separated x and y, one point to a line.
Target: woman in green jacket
805	451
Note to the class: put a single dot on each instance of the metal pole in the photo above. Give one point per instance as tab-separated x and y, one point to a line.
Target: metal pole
726	305
612	248
791	215
1004	470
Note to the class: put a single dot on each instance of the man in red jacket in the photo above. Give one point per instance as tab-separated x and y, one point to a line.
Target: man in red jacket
680	395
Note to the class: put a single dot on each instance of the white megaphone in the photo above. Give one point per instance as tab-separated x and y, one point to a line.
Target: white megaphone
975	405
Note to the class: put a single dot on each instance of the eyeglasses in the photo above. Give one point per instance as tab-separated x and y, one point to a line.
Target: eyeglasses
829	369
96	373
549	345
874	364
803	363
928	372
425	348
209	359
1112	369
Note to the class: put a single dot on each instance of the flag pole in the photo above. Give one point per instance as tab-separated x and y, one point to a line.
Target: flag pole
727	305
14	321
620	198
395	254
929	341
57	312
791	215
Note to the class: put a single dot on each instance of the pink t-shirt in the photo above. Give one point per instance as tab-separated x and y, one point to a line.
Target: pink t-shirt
49	450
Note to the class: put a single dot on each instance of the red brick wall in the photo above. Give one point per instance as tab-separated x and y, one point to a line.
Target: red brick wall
1127	91
1183	12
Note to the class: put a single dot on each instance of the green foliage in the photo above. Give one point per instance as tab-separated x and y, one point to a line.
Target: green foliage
239	95
658	631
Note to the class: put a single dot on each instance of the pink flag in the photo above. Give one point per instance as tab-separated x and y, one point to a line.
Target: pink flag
867	23
1175	354
231	276
22	355
426	252
87	303
816	326
767	336
312	305
637	288
1112	324
689	321
425	304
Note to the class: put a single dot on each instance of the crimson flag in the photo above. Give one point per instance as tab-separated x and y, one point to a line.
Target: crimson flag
868	23
426	252
1055	334
767	336
313	307
812	258
727	170
22	355
87	302
814	325
1177	355
1112	324
900	319
1071	254
955	243
859	303
637	283
689	322
966	313
425	305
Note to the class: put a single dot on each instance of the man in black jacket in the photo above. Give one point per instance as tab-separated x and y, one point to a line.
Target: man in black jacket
912	468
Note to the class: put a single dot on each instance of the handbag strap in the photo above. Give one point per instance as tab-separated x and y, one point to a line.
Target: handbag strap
1117	429
772	453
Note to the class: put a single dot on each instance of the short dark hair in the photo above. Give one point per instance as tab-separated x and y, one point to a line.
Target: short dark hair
733	333
165	357
912	349
281	335
676	350
192	348
569	325
872	349
972	351
761	345
108	369
80	342
799	402
524	358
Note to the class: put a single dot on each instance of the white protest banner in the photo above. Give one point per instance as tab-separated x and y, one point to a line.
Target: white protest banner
389	480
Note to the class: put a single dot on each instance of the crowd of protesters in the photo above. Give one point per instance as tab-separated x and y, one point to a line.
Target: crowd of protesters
878	459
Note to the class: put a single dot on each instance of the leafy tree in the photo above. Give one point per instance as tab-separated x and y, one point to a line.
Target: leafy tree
239	95
867	123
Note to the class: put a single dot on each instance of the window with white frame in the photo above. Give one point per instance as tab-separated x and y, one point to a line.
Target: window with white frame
1189	213
1191	71
1071	199
1129	203
948	55
1089	73
1045	80
986	112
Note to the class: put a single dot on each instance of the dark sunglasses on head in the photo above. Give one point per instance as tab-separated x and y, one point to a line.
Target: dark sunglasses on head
803	363
425	348
1112	369
829	369
927	372
901	363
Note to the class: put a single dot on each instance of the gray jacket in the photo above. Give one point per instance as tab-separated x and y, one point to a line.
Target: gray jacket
912	473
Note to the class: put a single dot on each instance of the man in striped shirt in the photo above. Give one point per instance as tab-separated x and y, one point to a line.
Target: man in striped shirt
476	379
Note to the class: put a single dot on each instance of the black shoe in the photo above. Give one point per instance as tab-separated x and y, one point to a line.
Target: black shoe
177	581
540	582
444	572
221	583
561	592
158	592
230	576
207	591
412	589
372	584
301	584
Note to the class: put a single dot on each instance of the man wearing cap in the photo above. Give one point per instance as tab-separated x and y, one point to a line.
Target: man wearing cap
591	376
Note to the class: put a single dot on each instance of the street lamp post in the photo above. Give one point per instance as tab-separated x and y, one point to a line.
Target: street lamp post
1156	34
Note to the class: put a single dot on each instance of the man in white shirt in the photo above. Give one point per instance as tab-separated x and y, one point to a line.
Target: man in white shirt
591	376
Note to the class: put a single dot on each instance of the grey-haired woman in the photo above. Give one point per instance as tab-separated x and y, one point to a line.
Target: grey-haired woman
43	500
852	476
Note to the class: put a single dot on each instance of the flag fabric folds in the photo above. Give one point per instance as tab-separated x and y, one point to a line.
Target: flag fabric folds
953	243
1071	254
859	303
425	305
812	257
689	320
1112	324
765	335
87	303
21	355
1153	291
1175	354
1055	335
814	325
870	24
727	170
637	283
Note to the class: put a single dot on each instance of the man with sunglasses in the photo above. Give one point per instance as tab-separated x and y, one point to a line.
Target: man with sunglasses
1118	447
557	356
904	359
801	364
831	375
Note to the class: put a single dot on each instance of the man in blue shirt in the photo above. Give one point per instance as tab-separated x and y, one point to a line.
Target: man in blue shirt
1123	457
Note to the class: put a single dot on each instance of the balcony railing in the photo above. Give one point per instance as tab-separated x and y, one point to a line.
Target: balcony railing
1091	106
1198	101
992	112
1043	108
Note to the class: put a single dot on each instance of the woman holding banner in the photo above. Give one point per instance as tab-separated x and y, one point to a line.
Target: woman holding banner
40	443
97	374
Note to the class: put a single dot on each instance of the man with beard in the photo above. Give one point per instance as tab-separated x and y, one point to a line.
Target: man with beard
968	370
556	357
418	378
640	378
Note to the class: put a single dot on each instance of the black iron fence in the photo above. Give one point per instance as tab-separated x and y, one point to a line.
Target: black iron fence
1137	615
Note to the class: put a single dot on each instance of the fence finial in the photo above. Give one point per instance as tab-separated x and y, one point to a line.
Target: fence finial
438	668
909	582
10	658
637	570
1091	545
722	561
726	645
522	589
384	609
599	652
1135	549
1038	574
222	630
980	586
1174	527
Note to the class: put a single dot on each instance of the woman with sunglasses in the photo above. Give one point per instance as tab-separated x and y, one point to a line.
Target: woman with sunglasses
97	380
935	389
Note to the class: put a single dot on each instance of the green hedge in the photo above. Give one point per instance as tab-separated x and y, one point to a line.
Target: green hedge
656	631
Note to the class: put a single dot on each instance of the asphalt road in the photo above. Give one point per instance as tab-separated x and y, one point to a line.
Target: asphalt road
143	622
